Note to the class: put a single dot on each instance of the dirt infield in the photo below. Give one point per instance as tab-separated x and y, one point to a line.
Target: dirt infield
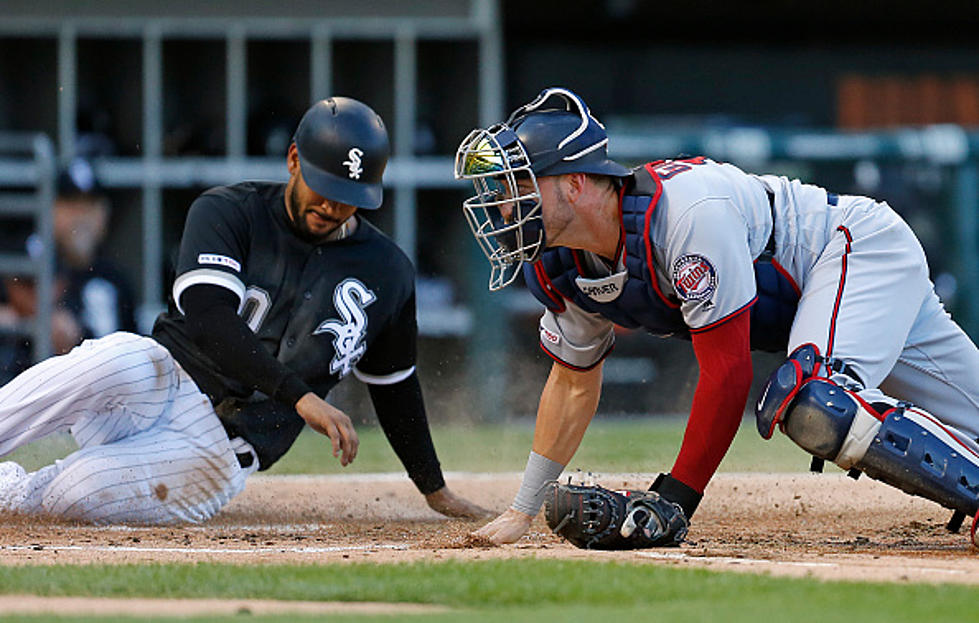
823	526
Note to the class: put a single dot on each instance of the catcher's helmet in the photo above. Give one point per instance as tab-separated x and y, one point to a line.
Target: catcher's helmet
343	149
563	139
504	162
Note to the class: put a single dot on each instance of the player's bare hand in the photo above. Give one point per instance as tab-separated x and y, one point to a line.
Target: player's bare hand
451	505
506	528
66	333
327	420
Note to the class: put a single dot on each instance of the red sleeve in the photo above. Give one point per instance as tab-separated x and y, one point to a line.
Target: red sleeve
724	356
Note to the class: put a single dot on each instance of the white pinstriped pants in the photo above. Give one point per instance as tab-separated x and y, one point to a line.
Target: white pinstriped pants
151	448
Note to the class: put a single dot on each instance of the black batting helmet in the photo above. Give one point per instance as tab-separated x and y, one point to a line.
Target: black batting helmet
343	149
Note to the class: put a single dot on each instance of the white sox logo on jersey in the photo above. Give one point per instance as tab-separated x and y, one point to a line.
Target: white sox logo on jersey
694	277
353	163
349	298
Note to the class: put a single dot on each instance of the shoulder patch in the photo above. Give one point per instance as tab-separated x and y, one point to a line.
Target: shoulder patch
220	260
549	336
694	277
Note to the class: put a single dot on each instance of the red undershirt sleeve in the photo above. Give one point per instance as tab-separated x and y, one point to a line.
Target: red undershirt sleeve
724	356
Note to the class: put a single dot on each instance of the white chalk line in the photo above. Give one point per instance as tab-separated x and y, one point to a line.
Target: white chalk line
731	560
576	475
372	477
214	529
204	550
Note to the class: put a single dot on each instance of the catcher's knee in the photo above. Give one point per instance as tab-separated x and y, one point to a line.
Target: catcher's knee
889	440
831	422
782	386
827	419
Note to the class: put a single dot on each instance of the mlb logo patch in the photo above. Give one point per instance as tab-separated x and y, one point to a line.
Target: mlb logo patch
220	260
694	277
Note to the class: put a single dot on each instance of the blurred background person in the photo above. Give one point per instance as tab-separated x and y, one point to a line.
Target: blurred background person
91	287
92	296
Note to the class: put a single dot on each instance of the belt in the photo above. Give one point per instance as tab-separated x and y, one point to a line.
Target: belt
244	452
841	367
770	247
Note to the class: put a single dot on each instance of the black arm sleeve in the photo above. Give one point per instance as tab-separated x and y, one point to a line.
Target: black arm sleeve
216	328
400	409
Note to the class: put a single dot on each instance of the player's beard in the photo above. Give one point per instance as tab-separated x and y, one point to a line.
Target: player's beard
299	225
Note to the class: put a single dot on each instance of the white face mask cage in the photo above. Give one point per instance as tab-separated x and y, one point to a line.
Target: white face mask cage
505	213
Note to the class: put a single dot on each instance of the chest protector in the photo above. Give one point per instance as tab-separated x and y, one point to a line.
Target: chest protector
641	304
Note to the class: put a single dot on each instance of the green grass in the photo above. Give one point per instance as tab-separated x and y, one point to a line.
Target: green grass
509	591
640	445
519	590
633	445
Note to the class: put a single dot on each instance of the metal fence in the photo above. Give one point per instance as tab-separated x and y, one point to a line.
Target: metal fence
27	193
402	25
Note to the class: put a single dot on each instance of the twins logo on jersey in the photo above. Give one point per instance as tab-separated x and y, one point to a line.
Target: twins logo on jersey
694	277
349	298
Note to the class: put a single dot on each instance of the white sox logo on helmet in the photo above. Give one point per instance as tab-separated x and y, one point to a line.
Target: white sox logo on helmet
353	162
349	298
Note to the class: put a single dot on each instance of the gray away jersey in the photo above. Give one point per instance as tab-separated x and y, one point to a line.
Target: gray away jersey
710	223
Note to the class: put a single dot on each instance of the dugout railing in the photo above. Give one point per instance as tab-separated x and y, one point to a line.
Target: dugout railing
440	57
27	164
230	27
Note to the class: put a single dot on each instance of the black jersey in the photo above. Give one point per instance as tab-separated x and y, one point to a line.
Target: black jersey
323	310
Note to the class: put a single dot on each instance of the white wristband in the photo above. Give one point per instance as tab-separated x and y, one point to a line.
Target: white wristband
540	471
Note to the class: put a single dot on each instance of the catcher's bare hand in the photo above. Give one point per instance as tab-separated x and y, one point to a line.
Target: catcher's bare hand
506	528
327	420
451	505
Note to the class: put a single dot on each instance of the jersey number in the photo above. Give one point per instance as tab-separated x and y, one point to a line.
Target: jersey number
665	169
255	307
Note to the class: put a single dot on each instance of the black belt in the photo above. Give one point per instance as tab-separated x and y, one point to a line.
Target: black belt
245	459
842	367
770	247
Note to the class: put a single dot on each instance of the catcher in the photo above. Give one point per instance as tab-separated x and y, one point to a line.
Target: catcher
878	379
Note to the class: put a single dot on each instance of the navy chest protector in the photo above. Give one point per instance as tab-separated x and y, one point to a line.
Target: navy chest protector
641	304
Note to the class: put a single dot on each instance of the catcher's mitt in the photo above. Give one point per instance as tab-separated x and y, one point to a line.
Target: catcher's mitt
594	517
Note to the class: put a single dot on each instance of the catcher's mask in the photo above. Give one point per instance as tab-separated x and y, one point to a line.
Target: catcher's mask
504	162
